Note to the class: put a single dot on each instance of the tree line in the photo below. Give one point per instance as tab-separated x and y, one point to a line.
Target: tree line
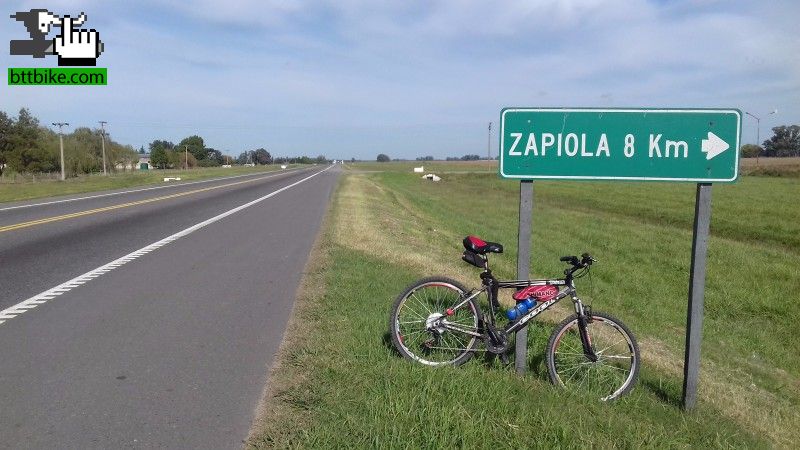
261	156
785	142
26	146
192	152
189	152
385	158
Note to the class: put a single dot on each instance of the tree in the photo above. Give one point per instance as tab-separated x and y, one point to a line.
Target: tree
750	151
470	158
215	155
262	156
28	149
164	145
244	158
195	145
6	125
179	158
158	157
321	159
785	141
158	153
141	150
83	152
425	158
383	158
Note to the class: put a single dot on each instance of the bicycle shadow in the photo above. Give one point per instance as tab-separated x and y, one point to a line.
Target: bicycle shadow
536	364
666	391
387	342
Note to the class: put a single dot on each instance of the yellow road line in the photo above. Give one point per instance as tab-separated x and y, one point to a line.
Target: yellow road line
122	205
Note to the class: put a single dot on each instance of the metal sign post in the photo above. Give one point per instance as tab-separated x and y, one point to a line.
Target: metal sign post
697	287
523	265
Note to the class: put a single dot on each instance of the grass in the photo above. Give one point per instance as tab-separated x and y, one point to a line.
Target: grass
32	189
429	166
340	384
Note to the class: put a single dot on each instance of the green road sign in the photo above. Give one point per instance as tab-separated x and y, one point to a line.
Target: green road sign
698	145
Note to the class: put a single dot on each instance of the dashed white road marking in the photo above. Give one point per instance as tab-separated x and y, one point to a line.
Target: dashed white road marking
41	298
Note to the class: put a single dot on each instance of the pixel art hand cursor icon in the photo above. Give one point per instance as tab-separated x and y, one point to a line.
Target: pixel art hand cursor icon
76	47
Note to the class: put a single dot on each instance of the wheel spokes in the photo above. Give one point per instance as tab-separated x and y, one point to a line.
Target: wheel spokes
605	376
426	331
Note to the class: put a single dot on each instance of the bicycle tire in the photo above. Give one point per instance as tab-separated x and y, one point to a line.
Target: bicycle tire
618	362
417	339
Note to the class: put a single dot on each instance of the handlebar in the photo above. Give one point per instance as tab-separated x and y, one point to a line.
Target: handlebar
585	260
570	259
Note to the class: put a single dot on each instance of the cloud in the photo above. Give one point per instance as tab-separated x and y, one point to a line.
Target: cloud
418	77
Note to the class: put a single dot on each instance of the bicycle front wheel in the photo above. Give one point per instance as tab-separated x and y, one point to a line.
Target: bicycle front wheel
616	369
427	327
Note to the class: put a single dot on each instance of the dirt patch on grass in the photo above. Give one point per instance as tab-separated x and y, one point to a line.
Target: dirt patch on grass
375	222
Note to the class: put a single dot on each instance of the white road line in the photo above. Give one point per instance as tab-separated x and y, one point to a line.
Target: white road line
43	297
139	190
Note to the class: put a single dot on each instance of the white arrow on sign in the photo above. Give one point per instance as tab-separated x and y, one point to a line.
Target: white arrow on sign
713	146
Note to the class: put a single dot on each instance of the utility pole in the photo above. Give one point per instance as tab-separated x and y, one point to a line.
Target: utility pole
186	153
758	129
758	124
60	125
489	144
103	137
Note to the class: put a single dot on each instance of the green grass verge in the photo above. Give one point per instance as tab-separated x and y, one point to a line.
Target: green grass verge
341	384
358	393
28	190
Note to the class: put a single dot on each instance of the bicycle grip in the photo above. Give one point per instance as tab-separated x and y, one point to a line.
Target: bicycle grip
568	258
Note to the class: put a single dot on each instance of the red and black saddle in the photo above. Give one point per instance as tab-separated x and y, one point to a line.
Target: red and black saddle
481	247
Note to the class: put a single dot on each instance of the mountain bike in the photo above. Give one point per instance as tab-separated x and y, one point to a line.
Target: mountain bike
437	321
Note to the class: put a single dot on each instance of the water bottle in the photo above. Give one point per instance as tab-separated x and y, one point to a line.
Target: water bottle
521	309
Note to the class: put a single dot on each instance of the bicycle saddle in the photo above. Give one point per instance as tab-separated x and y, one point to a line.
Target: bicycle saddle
478	245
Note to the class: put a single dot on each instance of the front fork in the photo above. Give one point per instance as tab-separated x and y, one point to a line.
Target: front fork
583	329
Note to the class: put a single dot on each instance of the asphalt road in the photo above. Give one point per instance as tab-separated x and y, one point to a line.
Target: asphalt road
168	347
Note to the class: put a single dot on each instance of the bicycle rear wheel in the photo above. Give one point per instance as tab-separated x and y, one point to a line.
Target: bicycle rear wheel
616	369
425	327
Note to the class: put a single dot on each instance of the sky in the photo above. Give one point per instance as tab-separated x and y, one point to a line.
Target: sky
354	78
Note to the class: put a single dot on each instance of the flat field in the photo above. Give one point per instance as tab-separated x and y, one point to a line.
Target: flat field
340	384
774	167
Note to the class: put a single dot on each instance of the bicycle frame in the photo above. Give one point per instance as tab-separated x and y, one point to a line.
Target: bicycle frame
491	287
